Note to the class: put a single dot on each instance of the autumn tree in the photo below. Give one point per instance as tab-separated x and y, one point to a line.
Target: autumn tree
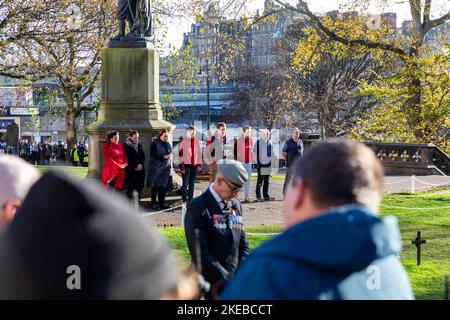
68	51
329	75
387	122
21	20
63	43
264	96
222	43
408	50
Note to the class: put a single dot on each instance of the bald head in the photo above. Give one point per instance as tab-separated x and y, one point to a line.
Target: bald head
295	134
265	134
16	179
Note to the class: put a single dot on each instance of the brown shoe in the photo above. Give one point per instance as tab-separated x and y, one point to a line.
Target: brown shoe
248	200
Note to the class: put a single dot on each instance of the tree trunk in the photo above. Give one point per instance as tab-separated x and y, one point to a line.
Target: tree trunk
70	121
322	125
414	102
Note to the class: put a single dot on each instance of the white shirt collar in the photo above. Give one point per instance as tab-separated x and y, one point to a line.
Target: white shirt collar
216	195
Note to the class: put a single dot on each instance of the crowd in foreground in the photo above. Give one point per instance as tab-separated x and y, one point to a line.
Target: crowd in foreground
87	243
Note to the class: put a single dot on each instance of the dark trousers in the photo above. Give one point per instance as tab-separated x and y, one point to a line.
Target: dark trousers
264	182
34	157
160	193
287	180
187	190
134	182
130	189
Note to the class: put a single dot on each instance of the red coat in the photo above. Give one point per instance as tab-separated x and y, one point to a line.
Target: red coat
243	149
215	148
190	152
113	155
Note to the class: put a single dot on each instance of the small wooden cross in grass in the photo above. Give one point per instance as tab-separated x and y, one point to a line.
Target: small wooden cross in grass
418	242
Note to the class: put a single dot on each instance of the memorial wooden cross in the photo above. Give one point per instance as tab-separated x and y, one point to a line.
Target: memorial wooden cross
418	242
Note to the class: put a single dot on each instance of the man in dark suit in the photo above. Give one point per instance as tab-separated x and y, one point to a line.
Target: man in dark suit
217	215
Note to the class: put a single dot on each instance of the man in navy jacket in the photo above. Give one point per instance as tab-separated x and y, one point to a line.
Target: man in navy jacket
334	246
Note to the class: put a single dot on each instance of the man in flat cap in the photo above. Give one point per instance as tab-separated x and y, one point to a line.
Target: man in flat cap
217	215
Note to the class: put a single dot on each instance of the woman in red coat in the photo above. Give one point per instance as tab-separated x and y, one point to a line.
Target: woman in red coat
115	161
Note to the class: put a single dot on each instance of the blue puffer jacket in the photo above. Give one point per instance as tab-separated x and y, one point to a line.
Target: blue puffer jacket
346	253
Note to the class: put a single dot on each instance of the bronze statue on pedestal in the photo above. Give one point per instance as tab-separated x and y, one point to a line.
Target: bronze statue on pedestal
138	13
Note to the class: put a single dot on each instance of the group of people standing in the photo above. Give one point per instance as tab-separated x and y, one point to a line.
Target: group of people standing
45	153
250	153
214	221
124	166
124	163
78	155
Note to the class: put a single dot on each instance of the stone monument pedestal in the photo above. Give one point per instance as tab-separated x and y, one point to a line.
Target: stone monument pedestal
130	100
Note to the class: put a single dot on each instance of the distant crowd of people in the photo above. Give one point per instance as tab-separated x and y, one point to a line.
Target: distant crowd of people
88	243
45	153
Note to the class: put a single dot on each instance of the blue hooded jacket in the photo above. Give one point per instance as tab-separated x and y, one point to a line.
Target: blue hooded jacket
345	253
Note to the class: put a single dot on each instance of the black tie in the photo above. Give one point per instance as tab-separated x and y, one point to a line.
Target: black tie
226	211
226	208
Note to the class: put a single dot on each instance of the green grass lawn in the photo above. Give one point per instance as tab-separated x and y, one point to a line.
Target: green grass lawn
273	177
77	172
80	172
428	279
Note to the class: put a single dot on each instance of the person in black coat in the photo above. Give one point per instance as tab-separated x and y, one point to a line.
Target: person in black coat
48	152
217	215
26	151
44	153
292	149
159	166
61	153
134	172
85	244
81	150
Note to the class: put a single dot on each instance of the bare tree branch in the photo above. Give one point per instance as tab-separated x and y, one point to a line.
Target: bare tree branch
434	23
426	12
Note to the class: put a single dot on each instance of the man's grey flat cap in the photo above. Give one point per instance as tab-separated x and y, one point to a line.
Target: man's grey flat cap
233	171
